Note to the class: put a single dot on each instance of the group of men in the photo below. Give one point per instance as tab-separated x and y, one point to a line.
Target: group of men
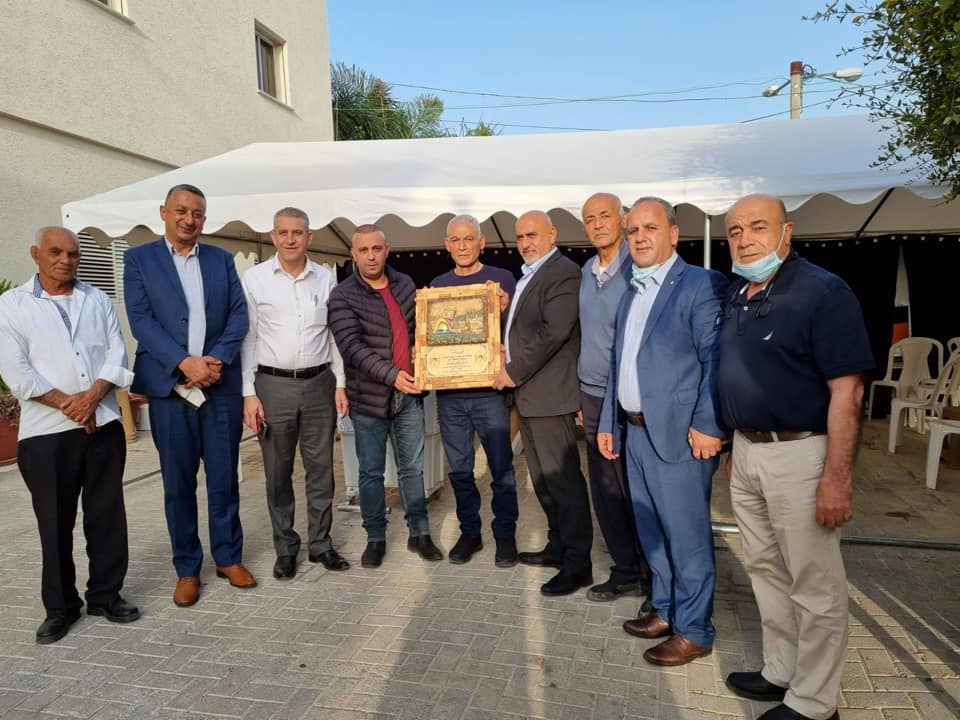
666	364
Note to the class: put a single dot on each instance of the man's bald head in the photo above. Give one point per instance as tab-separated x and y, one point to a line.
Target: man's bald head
536	235
768	203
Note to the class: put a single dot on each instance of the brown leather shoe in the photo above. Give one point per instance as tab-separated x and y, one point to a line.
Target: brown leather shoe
187	591
675	651
652	626
238	576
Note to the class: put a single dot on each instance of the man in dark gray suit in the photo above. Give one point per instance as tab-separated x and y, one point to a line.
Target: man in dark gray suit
542	345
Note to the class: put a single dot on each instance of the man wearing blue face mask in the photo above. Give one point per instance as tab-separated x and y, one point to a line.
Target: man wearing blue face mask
662	389
792	348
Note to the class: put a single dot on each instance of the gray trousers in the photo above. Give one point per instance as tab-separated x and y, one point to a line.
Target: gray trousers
303	411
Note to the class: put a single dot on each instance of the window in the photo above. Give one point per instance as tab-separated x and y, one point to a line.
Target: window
118	6
271	64
102	266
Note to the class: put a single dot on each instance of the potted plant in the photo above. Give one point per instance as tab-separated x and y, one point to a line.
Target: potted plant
9	411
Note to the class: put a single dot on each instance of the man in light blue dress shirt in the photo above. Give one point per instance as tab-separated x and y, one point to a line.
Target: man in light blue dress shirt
663	390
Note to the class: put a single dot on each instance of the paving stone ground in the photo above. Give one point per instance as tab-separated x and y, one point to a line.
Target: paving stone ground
415	640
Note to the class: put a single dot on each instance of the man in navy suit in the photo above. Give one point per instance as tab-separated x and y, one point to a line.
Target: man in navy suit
663	390
188	313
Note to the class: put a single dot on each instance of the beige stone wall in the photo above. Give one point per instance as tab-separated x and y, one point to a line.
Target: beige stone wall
92	100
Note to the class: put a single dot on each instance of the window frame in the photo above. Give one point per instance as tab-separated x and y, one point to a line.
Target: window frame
263	36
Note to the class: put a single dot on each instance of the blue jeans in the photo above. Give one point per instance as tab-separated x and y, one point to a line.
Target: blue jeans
404	426
489	418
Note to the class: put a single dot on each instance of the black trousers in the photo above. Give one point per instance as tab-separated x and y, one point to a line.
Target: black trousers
550	446
611	501
59	469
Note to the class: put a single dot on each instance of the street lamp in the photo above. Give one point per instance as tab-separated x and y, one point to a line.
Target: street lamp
800	72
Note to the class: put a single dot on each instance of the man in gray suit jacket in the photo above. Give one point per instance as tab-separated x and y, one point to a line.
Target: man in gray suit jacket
542	345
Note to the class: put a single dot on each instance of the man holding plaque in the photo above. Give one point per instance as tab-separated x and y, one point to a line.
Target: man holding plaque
478	410
541	348
371	314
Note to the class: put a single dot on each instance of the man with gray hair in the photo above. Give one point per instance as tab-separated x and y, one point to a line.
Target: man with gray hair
62	355
293	388
604	280
482	411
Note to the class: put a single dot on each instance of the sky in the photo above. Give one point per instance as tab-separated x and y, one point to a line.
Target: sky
660	59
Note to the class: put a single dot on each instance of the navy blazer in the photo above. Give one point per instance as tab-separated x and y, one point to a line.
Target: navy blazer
676	363
158	313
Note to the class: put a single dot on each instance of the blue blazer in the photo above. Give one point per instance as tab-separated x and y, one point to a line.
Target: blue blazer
158	313
677	362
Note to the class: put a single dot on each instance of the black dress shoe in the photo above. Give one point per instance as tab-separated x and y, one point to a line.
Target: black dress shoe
541	558
506	553
783	712
117	610
330	559
56	626
285	567
613	589
754	686
565	583
373	554
424	547
646	610
466	546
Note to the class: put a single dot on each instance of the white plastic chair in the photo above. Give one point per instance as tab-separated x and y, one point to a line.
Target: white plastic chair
928	407
939	429
911	356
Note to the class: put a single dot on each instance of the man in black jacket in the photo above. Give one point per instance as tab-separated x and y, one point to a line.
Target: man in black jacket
542	345
372	315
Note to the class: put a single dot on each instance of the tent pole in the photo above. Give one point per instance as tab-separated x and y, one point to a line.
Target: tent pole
706	242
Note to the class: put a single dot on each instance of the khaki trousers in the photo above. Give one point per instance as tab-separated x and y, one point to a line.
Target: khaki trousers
795	568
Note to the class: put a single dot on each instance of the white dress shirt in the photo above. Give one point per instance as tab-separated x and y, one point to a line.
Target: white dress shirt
48	344
288	321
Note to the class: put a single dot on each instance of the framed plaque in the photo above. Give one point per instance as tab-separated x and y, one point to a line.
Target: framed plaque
457	337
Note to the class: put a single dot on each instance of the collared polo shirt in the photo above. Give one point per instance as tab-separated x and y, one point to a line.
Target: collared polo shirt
779	348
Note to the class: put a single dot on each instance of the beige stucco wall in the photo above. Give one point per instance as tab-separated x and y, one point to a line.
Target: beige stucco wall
92	100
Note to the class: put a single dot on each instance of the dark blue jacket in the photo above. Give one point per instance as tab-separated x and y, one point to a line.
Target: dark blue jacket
158	313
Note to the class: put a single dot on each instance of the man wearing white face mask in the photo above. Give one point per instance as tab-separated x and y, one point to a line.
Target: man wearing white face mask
792	348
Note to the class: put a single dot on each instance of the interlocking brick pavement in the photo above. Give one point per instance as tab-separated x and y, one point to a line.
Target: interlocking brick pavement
415	640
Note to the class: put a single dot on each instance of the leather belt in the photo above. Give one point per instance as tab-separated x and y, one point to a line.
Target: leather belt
300	374
637	420
766	436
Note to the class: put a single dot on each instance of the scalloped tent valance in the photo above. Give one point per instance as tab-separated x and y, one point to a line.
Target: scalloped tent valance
820	167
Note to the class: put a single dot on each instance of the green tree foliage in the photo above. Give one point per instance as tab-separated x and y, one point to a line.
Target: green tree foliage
364	108
916	45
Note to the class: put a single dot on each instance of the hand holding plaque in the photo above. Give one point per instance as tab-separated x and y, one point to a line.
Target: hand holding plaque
458	337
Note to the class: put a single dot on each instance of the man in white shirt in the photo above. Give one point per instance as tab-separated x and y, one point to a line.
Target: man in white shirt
293	388
62	355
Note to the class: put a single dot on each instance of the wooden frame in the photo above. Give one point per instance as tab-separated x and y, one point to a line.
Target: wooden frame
457	337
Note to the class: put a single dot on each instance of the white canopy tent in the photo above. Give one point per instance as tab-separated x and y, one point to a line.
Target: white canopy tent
821	168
